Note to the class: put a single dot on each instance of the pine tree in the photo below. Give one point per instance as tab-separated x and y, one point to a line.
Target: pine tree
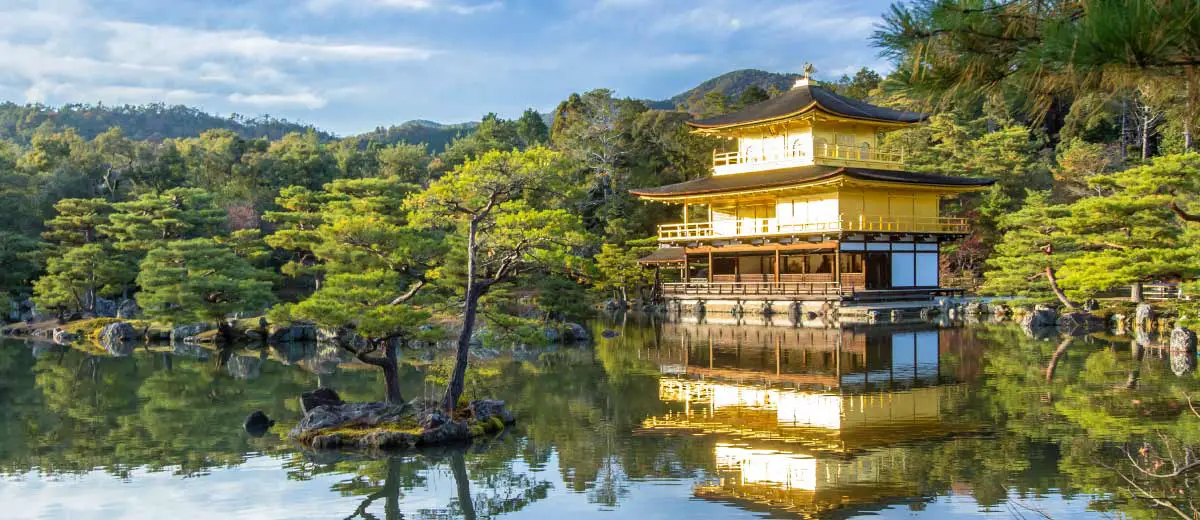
511	224
76	222
153	219
200	280
77	276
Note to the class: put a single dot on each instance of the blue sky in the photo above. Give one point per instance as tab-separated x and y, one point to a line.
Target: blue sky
351	65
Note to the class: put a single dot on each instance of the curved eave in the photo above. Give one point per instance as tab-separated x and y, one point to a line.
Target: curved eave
838	177
815	106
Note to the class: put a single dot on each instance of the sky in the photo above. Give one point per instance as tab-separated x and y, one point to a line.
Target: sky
348	66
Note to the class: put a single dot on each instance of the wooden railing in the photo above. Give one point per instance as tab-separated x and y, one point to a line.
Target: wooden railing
753	288
905	224
729	162
763	227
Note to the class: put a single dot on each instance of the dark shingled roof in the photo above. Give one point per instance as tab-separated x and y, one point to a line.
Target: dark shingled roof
800	97
801	174
663	255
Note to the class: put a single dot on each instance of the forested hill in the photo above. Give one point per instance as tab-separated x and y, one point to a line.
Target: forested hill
731	84
436	136
151	122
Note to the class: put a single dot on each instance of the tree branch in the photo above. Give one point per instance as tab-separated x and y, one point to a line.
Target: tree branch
408	295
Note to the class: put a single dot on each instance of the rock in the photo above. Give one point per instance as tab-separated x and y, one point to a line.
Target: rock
245	368
484	409
257	423
189	350
551	334
614	305
291	333
129	310
106	308
319	397
610	334
1039	317
1001	311
63	337
359	414
976	309
576	332
117	338
1143	316
928	313
186	332
432	418
1082	322
1091	304
1183	351
450	432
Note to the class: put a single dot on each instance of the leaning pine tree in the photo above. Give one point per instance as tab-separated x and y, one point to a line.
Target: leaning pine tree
507	207
375	268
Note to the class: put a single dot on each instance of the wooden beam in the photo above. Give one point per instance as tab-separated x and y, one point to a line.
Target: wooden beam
764	248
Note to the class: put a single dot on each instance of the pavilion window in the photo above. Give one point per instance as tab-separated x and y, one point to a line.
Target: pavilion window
819	264
793	264
724	266
852	263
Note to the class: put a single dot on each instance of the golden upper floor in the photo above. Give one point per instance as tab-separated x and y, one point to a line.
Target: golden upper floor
811	200
808	125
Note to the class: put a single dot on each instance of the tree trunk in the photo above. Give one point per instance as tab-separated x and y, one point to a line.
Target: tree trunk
454	389
1058	292
1145	136
391	371
1135	293
1058	353
462	483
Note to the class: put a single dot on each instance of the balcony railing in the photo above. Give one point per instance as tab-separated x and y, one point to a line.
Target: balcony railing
767	227
737	162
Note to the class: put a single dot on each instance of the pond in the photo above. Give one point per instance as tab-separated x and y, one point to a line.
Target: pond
666	420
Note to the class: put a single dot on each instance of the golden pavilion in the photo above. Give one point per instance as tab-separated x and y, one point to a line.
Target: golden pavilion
807	207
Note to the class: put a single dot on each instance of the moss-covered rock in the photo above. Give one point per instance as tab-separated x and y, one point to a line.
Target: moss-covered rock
382	426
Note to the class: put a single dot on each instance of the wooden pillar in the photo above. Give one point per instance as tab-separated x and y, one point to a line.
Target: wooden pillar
837	264
777	267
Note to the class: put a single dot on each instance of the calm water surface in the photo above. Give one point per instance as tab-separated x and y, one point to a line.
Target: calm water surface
664	421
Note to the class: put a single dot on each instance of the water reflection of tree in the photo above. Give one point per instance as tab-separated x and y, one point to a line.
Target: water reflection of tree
1117	414
73	412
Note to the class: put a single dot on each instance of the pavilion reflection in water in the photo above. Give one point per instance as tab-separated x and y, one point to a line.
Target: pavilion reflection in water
811	420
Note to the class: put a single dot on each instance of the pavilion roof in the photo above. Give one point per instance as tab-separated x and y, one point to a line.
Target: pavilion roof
803	98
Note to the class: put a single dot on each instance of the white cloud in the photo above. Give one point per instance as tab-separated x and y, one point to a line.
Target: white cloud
301	100
163	44
325	6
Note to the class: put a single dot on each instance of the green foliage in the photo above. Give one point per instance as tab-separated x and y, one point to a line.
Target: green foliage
75	277
619	270
361	302
77	222
200	280
561	299
1019	261
1130	234
153	219
859	86
21	262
